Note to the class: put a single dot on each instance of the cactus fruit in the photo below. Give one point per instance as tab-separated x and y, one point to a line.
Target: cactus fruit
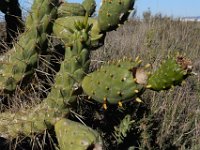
22	59
112	12
113	82
90	6
70	9
171	72
75	136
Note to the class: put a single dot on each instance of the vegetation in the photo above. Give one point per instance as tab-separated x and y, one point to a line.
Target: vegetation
162	120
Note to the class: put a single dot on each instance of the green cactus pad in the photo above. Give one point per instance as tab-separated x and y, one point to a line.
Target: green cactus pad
90	6
75	136
62	27
171	72
71	9
112	82
112	12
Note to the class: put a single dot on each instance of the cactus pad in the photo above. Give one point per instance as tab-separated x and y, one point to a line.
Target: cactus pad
75	136
63	26
171	72
29	121
112	12
90	6
70	9
113	82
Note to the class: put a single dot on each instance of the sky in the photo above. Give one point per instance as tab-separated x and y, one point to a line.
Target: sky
175	8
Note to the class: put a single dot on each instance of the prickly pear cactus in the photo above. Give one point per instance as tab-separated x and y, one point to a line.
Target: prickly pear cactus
22	59
116	83
64	91
171	72
113	82
75	136
45	115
